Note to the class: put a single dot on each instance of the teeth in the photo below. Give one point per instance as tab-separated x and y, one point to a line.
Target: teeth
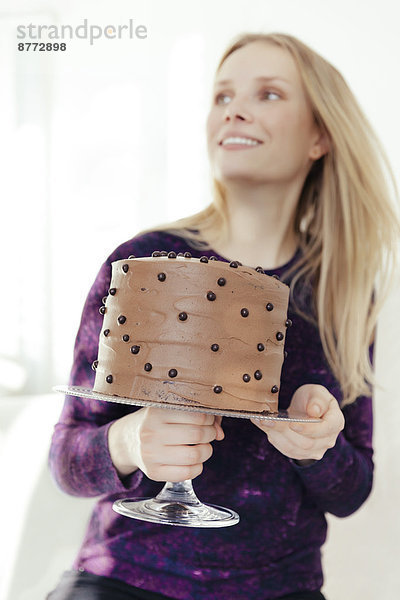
239	140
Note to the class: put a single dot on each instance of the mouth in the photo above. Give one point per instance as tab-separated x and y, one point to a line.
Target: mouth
239	141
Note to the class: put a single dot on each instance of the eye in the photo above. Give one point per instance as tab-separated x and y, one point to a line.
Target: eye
269	95
222	98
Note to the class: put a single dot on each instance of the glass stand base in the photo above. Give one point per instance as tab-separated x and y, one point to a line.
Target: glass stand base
177	504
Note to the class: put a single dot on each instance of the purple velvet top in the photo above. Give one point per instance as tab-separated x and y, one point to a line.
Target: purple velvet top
275	549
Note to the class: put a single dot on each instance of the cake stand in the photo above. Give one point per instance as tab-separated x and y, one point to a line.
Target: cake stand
177	503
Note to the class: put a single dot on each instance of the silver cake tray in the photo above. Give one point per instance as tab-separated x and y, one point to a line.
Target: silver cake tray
289	415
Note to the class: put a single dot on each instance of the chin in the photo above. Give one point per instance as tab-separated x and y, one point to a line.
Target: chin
226	177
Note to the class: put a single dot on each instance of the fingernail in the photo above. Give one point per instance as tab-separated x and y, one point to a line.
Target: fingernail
297	428
316	410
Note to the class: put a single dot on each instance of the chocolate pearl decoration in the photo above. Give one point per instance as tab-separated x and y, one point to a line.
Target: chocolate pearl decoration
104	299
279	336
156	253
221	281
171	254
125	268
244	312
131	256
106	332
275	276
259	270
234	264
180	254
102	310
288	322
260	347
215	347
217	389
161	277
204	259
274	389
148	367
269	307
163	253
211	296
95	364
183	316
112	291
257	375
109	378
172	373
246	378
213	257
125	337
121	319
187	255
135	349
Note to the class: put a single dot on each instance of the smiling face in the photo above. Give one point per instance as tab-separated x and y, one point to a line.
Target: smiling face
260	127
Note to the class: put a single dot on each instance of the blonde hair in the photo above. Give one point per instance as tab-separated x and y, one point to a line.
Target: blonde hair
346	223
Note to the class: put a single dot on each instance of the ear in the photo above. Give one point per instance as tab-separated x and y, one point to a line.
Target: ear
320	147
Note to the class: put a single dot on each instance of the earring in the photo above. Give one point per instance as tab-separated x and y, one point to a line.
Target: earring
315	154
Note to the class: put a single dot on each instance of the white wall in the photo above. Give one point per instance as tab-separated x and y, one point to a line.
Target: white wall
120	123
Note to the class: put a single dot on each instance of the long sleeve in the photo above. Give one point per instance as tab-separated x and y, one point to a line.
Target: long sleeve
276	545
79	457
341	481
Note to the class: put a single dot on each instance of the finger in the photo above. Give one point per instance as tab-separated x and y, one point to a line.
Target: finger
283	428
219	431
175	434
185	455
292	438
319	402
181	416
318	430
174	473
330	424
309	394
269	425
300	447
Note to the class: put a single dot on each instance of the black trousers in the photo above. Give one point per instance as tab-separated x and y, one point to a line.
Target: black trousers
76	585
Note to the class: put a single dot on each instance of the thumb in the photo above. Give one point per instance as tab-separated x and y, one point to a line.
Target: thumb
314	409
318	405
220	432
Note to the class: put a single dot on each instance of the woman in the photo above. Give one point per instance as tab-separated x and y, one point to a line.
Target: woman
299	189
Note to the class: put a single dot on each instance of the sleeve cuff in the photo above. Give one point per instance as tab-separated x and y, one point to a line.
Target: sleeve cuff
94	473
319	470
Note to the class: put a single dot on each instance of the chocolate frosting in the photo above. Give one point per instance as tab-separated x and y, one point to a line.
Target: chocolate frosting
210	350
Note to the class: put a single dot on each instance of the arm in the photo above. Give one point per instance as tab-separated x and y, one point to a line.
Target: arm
332	458
79	458
100	447
342	480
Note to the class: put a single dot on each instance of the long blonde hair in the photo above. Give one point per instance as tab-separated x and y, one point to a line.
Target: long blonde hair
346	222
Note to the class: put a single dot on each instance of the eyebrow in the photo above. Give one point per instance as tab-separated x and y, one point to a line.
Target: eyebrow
258	79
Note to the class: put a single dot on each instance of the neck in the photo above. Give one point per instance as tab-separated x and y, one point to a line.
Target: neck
261	224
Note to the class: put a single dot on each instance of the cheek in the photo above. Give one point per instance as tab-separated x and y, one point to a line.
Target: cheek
211	131
293	129
212	124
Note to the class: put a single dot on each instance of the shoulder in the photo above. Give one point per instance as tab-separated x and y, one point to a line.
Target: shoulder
144	244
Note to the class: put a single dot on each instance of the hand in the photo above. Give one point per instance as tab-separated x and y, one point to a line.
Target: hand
307	441
167	445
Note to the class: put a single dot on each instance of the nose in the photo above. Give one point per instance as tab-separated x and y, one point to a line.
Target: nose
236	110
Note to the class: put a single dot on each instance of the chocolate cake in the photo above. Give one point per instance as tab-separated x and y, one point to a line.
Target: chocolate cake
193	331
